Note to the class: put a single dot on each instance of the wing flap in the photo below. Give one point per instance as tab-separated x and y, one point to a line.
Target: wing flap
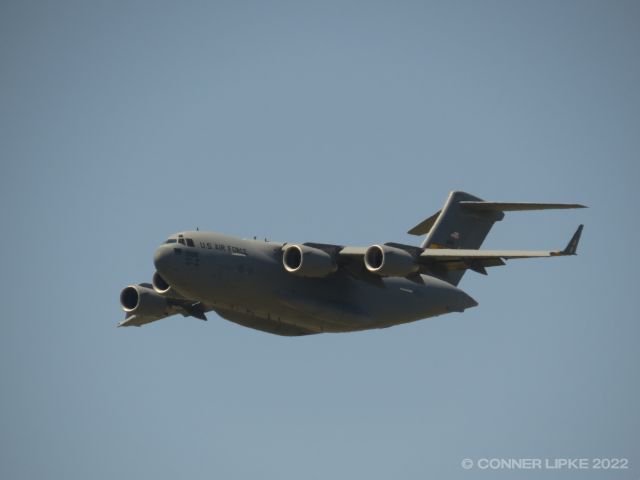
477	265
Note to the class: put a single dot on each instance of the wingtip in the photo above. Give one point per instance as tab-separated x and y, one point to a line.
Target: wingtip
572	246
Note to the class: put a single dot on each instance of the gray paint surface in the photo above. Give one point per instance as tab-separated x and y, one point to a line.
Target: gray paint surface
253	281
332	121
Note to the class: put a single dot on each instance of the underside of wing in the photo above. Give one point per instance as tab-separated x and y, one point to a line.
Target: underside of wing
133	320
142	305
196	310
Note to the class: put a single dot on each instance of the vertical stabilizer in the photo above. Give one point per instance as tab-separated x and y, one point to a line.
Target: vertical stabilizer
460	227
457	227
465	221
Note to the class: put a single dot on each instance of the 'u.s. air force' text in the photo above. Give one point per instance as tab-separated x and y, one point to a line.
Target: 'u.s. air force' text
219	246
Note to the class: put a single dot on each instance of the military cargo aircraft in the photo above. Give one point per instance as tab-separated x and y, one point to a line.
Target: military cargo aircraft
300	289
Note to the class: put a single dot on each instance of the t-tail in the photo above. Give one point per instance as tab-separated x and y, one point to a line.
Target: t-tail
464	222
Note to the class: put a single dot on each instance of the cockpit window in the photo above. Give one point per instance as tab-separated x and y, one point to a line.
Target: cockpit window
181	241
171	240
190	242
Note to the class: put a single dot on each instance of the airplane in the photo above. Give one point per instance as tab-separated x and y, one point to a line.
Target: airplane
295	289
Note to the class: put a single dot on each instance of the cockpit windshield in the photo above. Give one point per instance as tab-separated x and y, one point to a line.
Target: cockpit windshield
181	240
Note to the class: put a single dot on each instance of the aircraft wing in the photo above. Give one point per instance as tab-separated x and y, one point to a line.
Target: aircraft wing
447	254
188	309
352	252
477	260
444	254
142	305
133	320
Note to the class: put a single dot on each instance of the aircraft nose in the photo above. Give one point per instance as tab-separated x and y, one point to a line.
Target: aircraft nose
162	258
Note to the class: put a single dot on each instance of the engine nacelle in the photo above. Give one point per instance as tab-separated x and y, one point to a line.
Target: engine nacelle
307	261
389	261
144	301
161	286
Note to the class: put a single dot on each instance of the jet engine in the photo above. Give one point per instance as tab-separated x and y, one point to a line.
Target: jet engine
161	286
389	261
141	300
307	261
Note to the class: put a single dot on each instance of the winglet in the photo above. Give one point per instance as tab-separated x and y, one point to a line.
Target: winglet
572	246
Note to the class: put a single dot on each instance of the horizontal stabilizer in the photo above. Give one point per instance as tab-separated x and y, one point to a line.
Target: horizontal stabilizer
454	235
516	206
423	227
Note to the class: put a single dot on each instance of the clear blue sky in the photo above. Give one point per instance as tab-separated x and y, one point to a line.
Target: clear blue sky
347	122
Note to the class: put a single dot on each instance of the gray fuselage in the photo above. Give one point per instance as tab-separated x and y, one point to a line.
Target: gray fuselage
245	282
